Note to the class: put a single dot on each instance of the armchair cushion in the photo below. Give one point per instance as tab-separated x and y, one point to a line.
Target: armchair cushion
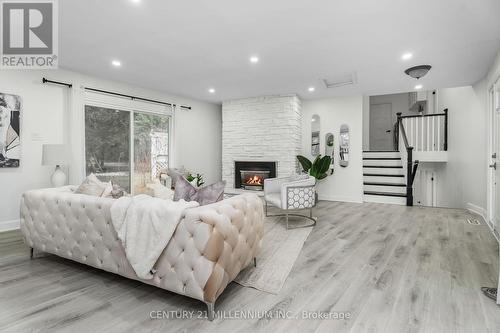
277	190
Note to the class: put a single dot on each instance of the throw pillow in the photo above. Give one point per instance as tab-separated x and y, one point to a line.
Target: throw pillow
209	194
160	191
204	195
91	186
183	189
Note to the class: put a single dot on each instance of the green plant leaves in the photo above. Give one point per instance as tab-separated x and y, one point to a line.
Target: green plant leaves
318	168
304	162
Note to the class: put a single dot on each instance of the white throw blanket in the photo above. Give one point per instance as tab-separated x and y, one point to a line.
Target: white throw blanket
144	226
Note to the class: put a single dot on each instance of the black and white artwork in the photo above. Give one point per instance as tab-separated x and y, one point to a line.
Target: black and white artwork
10	113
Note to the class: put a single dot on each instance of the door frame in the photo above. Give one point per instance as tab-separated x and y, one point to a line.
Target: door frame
491	150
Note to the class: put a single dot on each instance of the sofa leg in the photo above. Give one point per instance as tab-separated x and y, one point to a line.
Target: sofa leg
210	311
31	253
254	262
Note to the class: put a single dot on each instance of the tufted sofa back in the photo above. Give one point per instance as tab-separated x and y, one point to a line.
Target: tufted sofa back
210	246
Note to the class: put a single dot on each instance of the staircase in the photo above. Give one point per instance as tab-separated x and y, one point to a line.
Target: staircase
384	179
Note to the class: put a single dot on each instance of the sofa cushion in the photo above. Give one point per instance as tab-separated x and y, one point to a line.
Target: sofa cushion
92	186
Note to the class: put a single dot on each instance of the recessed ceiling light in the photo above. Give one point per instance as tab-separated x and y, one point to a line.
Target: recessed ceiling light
116	63
311	89
419	86
135	1
211	90
254	59
407	56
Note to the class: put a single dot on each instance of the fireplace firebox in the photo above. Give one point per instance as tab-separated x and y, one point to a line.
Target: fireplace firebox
251	175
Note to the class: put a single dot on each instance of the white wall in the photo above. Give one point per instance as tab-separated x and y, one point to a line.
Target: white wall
346	184
54	114
461	182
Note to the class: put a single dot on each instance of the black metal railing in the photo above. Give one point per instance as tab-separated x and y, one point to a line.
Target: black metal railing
411	166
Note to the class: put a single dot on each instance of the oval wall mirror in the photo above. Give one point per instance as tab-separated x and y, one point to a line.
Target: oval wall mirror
344	145
315	130
329	148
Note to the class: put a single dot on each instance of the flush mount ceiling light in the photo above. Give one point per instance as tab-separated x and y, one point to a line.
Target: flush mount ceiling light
254	59
211	90
407	56
116	63
418	71
311	89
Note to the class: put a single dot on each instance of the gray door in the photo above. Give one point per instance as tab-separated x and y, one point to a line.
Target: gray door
381	127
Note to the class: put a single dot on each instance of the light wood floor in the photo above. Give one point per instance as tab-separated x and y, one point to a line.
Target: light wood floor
393	268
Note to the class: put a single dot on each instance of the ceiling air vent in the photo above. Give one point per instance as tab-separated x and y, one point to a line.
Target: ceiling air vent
340	81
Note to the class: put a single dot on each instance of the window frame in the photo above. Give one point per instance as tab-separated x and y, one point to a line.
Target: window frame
131	106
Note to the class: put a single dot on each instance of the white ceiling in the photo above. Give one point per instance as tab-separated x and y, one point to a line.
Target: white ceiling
185	47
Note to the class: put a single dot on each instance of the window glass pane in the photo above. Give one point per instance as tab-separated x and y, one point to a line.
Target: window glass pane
107	142
151	155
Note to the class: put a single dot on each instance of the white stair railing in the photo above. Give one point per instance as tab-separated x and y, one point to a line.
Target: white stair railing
427	132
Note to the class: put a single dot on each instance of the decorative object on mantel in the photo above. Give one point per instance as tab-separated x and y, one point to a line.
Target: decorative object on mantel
55	155
329	150
10	114
315	133
344	145
318	168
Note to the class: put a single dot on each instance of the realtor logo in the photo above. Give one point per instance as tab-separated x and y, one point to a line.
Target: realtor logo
29	34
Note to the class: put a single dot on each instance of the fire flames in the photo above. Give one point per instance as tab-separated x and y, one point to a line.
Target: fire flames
254	180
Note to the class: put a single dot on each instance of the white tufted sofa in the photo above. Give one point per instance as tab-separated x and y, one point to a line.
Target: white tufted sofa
210	246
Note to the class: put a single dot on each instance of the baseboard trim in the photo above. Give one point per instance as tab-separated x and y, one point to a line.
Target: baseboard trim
482	212
9	225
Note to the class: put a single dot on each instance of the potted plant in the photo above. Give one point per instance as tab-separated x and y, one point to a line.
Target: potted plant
318	168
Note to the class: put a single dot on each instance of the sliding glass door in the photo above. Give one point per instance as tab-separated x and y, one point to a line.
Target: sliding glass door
118	142
151	142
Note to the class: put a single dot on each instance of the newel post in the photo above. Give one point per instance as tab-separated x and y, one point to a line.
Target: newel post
445	129
398	124
409	185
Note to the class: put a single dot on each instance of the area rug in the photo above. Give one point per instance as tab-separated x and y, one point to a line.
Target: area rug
280	249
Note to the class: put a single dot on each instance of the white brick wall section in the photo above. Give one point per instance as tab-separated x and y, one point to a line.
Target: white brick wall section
266	128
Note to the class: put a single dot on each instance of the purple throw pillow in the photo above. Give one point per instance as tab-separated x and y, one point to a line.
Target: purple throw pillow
204	195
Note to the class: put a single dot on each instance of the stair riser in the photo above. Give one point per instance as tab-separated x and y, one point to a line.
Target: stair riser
384	199
382	162
377	179
383	171
387	189
381	154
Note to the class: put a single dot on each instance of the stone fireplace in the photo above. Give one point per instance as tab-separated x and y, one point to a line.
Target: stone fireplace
251	175
260	130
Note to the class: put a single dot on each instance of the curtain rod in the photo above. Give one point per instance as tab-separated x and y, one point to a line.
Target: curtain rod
69	85
136	98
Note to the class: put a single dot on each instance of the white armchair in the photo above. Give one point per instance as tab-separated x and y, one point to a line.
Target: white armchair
291	193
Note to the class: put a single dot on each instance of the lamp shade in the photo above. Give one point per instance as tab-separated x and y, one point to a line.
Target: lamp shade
54	155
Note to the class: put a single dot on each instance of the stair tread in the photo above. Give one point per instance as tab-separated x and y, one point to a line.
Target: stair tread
382	158
384	184
384	166
381	175
387	194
